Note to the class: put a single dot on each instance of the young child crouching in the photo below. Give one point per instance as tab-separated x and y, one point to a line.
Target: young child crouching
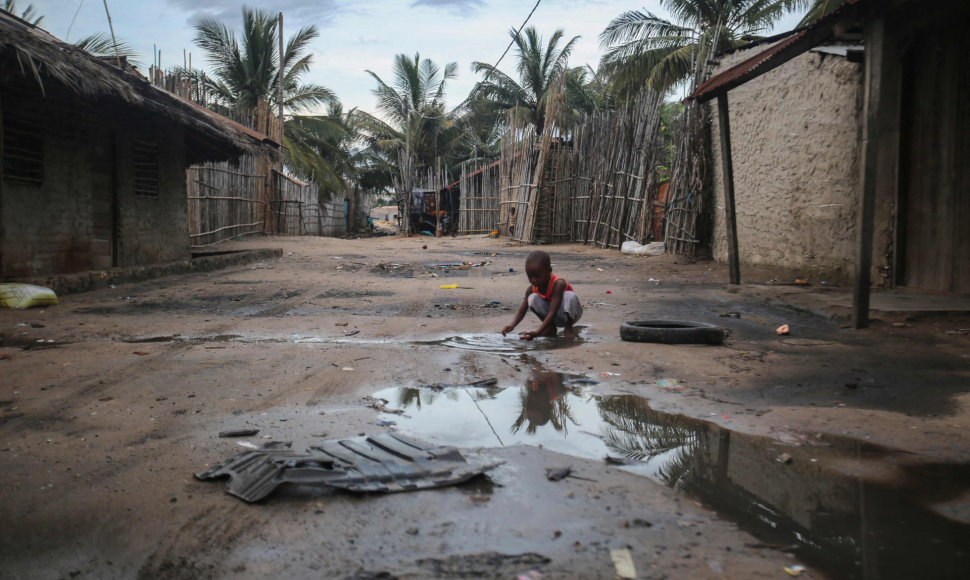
550	297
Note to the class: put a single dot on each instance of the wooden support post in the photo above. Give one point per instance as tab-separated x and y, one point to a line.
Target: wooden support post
875	45
727	168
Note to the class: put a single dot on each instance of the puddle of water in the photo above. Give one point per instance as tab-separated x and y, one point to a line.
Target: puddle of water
180	338
848	526
498	344
151	339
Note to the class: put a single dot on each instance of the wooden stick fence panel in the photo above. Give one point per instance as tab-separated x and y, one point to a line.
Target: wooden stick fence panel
223	202
479	207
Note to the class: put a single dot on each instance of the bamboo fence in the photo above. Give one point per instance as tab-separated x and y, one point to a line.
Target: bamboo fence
515	178
224	201
593	182
191	85
295	207
613	164
479	210
688	183
332	218
249	196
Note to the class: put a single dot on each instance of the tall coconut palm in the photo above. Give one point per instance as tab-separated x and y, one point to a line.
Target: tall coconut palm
246	71
540	69
415	131
643	49
414	107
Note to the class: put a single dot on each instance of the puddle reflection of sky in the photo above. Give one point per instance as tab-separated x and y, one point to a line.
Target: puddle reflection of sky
849	527
545	412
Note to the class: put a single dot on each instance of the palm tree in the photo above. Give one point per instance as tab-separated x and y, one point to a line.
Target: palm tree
540	69
29	14
247	71
333	151
479	135
413	108
416	131
318	147
645	49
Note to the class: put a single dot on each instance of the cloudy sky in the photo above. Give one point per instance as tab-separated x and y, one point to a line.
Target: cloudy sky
354	35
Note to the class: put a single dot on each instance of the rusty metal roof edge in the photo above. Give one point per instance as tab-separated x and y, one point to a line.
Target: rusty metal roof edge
800	42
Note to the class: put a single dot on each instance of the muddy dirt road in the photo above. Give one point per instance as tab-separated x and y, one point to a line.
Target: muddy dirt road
841	451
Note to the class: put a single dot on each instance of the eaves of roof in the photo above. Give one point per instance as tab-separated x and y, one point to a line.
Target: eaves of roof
852	12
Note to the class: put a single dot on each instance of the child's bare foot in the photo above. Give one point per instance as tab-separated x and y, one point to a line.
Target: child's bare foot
568	333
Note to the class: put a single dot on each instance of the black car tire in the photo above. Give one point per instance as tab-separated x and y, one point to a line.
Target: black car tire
671	332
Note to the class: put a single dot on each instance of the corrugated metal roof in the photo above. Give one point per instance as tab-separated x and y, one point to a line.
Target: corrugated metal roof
801	41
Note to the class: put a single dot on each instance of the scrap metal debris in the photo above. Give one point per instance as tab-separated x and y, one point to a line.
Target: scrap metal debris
389	462
239	433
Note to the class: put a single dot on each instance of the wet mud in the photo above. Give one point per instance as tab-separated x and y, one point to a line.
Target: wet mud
101	436
832	501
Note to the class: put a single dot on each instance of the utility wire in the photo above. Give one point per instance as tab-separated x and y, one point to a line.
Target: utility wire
489	71
76	12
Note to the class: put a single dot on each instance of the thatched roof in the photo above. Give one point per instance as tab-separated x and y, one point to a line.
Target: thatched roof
34	53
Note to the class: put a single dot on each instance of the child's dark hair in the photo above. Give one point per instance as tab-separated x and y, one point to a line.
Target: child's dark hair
539	258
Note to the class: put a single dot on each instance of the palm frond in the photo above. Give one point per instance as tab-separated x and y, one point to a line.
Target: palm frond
29	13
101	44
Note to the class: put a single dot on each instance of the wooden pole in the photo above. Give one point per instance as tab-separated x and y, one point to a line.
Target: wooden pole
280	89
114	41
3	231
727	168
875	46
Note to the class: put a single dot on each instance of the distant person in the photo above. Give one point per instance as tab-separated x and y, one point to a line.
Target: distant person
550	297
512	221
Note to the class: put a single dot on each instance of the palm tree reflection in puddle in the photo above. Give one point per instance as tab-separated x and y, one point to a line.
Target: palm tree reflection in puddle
640	434
831	518
416	397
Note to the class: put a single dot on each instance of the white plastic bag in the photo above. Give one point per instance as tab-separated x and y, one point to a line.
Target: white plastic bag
651	249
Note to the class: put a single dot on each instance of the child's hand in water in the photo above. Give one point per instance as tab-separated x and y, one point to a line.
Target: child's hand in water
528	335
507	329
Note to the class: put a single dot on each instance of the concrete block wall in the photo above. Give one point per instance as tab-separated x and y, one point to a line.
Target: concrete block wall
796	148
47	227
64	224
153	229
